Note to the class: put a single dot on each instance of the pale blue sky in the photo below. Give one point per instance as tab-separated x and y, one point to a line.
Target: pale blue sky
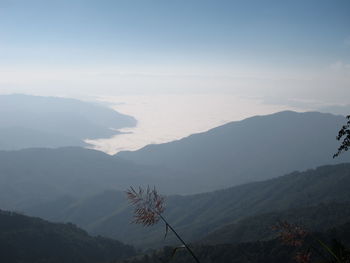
128	46
196	31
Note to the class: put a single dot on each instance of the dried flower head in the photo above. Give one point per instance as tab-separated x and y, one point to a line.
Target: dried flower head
149	205
290	234
303	257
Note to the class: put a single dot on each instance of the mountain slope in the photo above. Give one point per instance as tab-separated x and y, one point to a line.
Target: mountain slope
256	148
272	251
33	176
24	119
12	138
195	216
32	240
314	218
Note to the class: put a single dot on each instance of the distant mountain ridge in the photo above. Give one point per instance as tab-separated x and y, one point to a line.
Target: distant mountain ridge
253	149
34	121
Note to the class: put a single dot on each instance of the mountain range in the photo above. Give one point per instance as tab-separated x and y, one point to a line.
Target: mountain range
36	176
224	186
201	215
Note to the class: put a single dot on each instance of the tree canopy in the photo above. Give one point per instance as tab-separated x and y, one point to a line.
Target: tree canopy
344	132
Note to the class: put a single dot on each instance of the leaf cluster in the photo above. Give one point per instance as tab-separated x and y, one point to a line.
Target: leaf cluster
344	132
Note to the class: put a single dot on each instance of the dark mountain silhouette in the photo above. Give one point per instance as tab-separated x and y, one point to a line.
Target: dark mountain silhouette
32	240
33	121
254	149
196	216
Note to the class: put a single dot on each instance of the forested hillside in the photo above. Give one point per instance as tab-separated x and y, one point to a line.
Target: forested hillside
272	251
314	218
33	240
195	216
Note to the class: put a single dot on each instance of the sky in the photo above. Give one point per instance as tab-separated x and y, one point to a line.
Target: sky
286	54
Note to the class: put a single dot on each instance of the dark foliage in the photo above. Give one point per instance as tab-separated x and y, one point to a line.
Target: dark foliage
344	132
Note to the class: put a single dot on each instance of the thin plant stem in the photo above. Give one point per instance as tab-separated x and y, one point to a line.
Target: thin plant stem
181	240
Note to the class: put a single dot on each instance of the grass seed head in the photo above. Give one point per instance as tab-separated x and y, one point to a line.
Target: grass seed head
149	205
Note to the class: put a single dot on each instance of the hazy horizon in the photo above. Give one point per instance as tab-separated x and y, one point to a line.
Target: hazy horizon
165	118
178	67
